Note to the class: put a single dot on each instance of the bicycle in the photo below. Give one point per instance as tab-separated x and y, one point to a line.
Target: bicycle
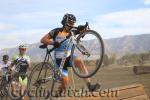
3	84
49	72
9	78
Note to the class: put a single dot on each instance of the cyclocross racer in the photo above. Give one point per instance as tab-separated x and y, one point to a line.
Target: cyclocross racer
54	37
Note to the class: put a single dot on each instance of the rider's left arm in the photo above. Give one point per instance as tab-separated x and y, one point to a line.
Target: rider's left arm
29	62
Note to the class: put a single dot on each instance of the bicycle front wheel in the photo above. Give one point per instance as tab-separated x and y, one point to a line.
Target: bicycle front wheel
89	52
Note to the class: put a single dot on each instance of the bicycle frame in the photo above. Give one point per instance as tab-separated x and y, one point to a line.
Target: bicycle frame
71	39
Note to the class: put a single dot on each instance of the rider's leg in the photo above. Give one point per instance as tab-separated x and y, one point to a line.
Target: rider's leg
23	83
80	64
64	80
22	90
13	85
63	85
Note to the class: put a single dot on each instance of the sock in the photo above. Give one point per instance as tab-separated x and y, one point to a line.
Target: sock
88	84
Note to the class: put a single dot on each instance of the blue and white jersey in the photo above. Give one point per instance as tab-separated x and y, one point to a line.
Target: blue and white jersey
60	51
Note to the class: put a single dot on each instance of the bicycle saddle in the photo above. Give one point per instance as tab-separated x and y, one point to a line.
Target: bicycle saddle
43	46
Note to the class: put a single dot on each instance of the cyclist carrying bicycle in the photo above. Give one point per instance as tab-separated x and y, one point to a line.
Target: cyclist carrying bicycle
25	60
4	65
54	37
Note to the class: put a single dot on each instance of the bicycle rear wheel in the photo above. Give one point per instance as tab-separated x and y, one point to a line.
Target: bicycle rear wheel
90	51
40	82
3	88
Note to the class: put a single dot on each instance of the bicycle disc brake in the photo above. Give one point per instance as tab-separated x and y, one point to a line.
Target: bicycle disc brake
82	49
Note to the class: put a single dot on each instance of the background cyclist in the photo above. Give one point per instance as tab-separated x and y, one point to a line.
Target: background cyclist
4	65
25	60
54	37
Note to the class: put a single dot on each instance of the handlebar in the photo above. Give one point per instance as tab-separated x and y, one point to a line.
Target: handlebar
87	26
44	46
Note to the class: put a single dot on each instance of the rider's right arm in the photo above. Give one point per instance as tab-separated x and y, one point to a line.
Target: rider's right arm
47	40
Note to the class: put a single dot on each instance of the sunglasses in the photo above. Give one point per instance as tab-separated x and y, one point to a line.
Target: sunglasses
5	59
24	49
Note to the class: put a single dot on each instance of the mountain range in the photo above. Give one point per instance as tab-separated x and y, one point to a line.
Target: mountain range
119	46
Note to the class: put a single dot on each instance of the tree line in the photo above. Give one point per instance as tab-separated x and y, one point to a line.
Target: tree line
128	59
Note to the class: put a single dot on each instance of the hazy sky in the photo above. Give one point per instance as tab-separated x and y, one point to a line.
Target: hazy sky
26	21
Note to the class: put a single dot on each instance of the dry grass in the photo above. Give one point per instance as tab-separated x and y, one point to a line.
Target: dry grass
115	77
